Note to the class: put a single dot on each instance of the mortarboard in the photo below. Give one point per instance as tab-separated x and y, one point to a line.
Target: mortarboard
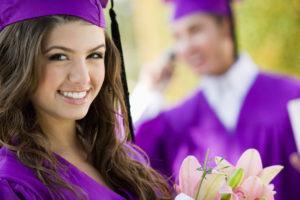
182	8
13	11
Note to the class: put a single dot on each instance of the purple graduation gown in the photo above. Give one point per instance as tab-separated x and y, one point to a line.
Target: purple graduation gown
19	182
263	124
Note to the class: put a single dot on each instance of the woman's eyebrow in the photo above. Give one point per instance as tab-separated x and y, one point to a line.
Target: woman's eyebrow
71	50
97	47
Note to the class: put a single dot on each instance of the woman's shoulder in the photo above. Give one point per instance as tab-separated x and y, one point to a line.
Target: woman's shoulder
11	166
14	189
18	181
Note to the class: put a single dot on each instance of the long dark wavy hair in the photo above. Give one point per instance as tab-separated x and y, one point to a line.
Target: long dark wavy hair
112	156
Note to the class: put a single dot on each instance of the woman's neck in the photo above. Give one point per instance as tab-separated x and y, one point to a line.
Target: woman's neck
60	132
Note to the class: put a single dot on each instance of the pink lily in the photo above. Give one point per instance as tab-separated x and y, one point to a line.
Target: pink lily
190	177
249	180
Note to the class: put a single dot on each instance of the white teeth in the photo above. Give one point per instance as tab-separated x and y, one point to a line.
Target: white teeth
74	95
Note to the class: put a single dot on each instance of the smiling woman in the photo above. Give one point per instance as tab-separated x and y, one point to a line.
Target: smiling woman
60	94
72	70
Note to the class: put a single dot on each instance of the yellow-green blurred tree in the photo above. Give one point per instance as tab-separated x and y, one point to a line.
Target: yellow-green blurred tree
270	31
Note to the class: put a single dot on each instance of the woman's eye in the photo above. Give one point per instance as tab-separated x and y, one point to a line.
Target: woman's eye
58	57
96	56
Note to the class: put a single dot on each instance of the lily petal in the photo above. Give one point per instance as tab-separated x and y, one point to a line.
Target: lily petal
223	166
211	186
254	188
189	175
250	161
269	173
225	189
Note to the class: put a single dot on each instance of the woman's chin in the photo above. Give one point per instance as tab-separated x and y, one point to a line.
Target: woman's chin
75	115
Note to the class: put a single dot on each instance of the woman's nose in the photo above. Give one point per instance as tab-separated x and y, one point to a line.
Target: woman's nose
79	72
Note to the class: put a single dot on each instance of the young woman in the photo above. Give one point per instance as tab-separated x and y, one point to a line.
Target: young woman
237	107
60	95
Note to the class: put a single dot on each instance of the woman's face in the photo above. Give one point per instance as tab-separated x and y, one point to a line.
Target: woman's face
203	43
71	70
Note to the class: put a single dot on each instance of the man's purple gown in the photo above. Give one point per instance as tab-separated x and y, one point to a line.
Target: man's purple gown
19	182
263	124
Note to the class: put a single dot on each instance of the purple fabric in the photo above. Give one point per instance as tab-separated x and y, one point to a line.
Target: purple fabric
12	11
193	127
19	182
187	7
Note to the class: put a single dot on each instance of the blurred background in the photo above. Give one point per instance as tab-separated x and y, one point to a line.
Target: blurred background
269	30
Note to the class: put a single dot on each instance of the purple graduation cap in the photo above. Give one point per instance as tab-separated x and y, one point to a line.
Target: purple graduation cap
187	7
13	11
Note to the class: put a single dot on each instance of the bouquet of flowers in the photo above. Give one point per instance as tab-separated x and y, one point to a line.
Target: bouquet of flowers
247	180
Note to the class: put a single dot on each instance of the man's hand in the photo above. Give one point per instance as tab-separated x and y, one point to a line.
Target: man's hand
295	161
157	74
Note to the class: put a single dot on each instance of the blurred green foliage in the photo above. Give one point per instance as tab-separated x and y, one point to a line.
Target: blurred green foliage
270	31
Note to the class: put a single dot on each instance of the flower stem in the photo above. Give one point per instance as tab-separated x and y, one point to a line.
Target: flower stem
203	175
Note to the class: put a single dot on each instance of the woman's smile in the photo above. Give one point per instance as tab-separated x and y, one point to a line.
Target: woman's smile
74	97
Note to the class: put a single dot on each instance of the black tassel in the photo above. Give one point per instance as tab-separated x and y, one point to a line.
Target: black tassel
117	40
